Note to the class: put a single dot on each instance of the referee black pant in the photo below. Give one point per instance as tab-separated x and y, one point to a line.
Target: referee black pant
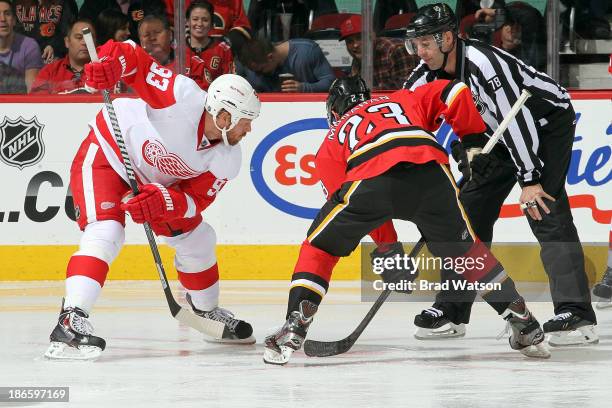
561	251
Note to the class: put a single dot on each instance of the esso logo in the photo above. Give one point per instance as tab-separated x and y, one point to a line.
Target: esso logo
283	167
293	167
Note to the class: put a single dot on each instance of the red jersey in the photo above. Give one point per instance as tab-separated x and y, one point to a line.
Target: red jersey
381	132
213	61
58	77
229	15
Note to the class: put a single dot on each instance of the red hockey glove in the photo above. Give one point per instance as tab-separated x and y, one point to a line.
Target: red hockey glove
156	203
104	74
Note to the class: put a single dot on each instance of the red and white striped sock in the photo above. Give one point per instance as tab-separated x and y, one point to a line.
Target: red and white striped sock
203	287
85	276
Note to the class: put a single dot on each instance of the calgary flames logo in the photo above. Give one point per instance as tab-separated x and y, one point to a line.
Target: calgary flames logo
157	156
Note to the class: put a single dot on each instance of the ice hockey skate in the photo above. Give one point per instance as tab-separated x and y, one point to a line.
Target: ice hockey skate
433	324
567	329
603	290
604	304
526	334
280	345
236	331
73	339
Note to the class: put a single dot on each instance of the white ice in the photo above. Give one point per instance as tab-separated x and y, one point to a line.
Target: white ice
151	361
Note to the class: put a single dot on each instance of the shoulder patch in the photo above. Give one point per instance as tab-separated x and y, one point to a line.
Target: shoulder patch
494	83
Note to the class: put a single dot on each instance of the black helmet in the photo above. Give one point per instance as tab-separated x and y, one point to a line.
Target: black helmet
432	19
344	93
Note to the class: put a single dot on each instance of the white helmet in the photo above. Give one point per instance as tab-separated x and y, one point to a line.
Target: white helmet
234	94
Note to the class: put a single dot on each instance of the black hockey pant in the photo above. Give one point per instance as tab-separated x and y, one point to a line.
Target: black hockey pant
425	194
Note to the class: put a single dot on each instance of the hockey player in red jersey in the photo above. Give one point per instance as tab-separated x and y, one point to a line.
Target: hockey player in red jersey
378	162
184	146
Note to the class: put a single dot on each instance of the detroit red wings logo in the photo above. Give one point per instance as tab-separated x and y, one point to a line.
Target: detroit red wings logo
157	156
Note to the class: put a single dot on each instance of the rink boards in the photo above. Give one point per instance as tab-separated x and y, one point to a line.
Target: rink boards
261	216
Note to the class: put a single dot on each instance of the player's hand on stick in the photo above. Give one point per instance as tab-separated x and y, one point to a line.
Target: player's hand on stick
460	155
103	74
532	198
155	203
394	267
482	166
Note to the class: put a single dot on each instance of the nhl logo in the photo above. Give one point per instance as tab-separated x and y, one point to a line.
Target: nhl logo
21	143
480	106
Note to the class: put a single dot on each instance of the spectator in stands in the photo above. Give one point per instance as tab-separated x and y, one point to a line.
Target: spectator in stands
65	75
229	21
47	22
383	10
511	35
591	19
207	57
135	10
112	24
266	13
469	7
20	58
261	63
517	28
392	63
156	37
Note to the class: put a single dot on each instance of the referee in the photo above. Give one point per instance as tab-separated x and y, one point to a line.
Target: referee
535	151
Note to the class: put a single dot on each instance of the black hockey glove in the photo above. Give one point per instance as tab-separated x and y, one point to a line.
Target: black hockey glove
482	167
401	271
460	155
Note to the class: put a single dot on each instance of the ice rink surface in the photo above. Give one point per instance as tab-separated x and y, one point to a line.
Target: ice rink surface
151	361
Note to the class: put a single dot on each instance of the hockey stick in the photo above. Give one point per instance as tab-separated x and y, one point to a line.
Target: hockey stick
314	348
207	326
504	124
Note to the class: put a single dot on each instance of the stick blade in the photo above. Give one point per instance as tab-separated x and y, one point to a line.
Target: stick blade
314	348
209	327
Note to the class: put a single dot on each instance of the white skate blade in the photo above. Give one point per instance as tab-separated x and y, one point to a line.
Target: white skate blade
248	340
537	351
274	357
62	351
448	331
583	336
604	304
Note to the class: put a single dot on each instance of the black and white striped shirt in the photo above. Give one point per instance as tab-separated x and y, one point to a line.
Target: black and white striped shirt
496	80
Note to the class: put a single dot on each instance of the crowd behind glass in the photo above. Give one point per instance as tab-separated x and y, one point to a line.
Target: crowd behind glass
277	45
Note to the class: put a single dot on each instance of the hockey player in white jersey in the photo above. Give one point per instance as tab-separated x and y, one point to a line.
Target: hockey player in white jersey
183	144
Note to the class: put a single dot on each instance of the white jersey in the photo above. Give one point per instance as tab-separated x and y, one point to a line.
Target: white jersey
163	130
